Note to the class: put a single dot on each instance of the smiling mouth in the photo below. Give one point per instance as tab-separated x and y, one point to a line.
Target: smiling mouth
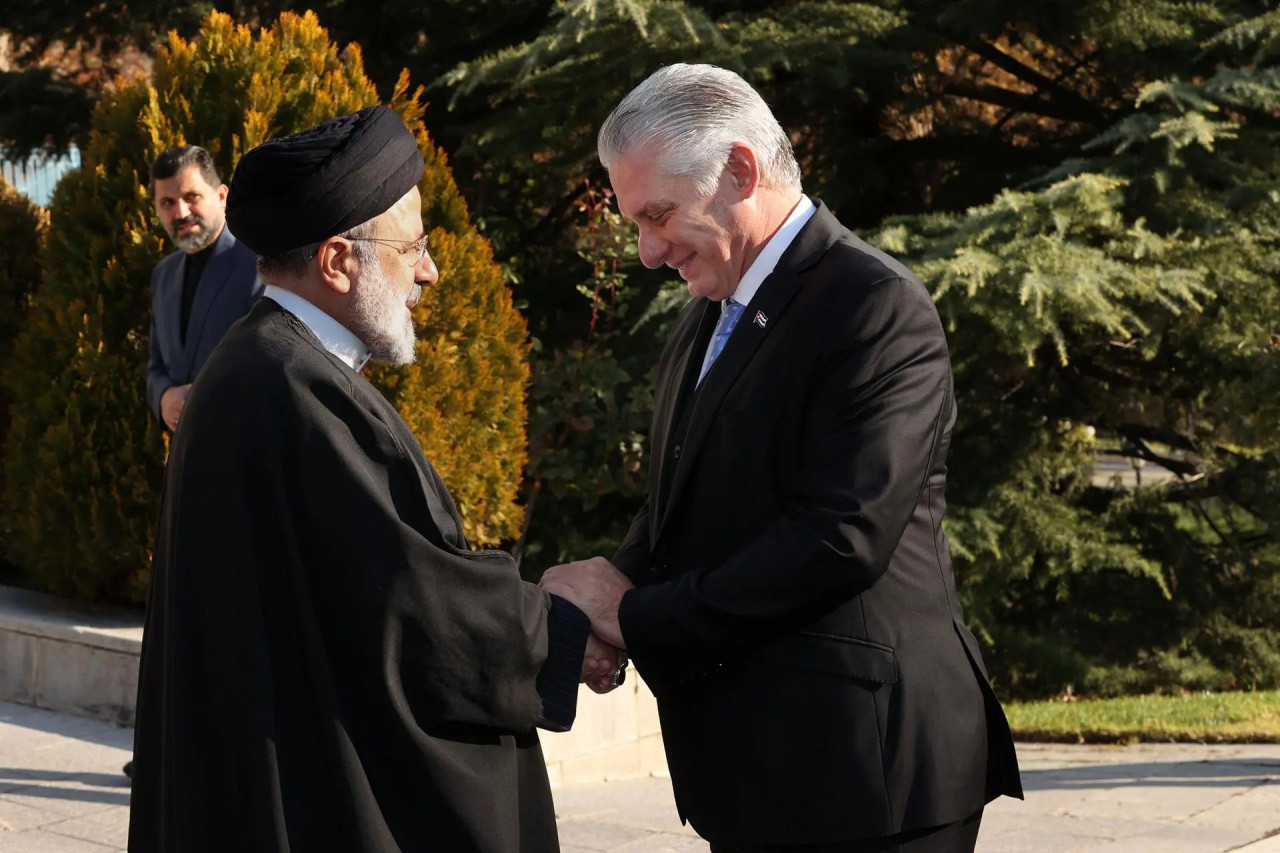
414	296
685	263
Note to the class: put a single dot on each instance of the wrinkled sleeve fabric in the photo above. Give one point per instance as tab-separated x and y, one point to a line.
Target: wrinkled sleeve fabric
456	635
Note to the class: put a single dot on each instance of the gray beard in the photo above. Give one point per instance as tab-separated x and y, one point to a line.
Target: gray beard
380	320
192	243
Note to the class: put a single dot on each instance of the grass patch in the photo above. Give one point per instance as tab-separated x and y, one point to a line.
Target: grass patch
1193	718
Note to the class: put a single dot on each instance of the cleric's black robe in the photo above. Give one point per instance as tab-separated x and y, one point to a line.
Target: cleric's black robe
326	666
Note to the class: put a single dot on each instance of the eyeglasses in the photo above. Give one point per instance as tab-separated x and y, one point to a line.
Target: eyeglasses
420	245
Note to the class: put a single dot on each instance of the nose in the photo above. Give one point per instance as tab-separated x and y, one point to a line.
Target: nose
651	248
425	273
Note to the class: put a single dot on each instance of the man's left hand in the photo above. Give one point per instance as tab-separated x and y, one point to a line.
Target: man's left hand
596	587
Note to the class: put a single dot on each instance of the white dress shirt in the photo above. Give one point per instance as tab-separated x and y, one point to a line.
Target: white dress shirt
334	336
765	262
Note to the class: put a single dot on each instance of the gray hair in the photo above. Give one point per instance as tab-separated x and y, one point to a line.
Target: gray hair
694	114
293	263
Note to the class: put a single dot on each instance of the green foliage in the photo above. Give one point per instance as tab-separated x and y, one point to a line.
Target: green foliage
592	399
23	227
1150	277
1035	267
83	448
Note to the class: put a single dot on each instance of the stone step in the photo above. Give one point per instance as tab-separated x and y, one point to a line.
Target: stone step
69	657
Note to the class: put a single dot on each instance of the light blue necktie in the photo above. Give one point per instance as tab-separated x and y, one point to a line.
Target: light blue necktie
729	314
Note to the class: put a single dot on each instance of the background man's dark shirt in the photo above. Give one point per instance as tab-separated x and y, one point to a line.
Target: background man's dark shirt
191	272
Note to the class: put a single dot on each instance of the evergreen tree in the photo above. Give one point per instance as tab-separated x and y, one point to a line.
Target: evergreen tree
83	449
1135	301
23	226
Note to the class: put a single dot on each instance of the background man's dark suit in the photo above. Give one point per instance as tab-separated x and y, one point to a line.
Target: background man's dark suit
228	287
796	611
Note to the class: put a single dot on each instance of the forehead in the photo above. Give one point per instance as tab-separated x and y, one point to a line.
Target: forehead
404	218
643	188
187	181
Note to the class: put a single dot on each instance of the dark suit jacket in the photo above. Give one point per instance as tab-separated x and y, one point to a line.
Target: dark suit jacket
228	287
796	612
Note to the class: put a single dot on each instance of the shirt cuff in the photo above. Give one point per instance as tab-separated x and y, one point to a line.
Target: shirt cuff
557	684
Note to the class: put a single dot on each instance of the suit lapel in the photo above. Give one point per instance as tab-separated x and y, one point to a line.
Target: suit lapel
214	278
760	319
693	333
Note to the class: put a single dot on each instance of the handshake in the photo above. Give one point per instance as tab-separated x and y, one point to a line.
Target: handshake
595	587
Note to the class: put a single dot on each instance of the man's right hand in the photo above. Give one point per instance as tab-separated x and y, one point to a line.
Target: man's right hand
171	403
596	587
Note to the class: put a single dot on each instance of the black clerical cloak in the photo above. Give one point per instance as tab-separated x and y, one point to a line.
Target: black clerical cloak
326	666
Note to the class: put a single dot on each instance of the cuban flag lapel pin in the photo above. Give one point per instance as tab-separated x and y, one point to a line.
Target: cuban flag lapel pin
760	319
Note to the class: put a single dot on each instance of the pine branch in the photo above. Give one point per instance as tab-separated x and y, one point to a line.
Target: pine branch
1036	103
1046	86
1067	73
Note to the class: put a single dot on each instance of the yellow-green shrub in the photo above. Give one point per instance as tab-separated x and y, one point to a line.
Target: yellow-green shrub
22	228
83	448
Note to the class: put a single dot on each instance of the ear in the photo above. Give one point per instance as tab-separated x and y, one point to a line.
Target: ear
337	263
223	189
743	169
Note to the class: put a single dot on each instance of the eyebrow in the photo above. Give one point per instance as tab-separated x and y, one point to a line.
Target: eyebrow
655	209
179	195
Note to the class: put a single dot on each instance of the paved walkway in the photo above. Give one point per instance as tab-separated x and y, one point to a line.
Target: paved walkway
61	792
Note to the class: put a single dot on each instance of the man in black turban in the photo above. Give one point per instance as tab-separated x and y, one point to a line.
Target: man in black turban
326	664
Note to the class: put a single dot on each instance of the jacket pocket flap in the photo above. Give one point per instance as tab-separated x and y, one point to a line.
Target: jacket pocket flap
832	654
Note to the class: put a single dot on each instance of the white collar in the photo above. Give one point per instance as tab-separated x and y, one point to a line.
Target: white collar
772	251
335	337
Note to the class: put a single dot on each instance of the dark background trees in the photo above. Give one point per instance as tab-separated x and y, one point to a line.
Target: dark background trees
1089	188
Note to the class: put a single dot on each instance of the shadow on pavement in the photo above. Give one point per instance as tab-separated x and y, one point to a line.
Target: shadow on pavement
29	784
1218	773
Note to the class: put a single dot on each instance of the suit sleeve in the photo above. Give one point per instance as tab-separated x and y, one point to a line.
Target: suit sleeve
456	633
567	630
877	404
633	558
158	380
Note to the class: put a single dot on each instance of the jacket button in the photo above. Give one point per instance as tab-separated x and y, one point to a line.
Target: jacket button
676	452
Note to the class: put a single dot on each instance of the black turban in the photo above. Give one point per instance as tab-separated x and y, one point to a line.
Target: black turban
304	188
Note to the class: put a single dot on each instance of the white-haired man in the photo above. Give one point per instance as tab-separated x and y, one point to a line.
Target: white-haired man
787	590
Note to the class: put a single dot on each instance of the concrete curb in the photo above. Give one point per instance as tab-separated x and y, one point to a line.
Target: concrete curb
66	657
